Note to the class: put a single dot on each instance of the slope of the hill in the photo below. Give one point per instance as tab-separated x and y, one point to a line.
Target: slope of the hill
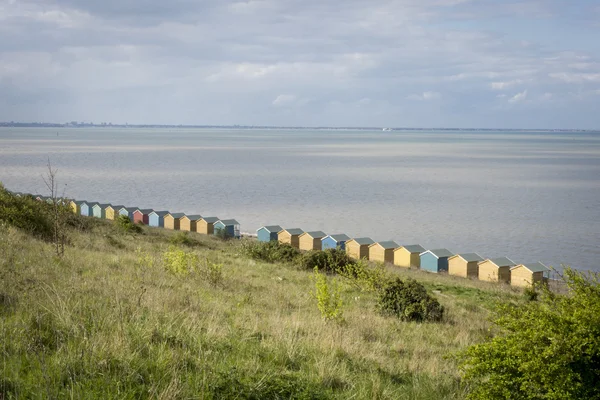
108	320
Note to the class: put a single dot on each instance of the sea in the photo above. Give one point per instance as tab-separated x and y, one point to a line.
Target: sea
530	196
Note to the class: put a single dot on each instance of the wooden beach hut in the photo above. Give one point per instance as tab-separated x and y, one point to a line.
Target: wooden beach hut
112	211
123	211
206	225
99	210
495	269
358	248
142	216
408	256
337	241
290	236
268	233
171	220
76	205
383	251
131	211
311	240
39	197
525	275
465	265
435	260
85	209
156	218
228	227
188	222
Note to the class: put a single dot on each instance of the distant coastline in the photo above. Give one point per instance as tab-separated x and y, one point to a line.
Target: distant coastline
74	124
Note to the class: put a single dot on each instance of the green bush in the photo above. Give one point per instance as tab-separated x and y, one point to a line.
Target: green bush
222	234
270	251
27	214
183	238
126	225
409	301
330	260
363	276
329	300
547	349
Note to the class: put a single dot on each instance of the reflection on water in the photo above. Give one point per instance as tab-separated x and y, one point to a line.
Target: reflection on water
527	195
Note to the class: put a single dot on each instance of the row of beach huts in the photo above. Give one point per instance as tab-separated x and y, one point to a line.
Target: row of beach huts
466	265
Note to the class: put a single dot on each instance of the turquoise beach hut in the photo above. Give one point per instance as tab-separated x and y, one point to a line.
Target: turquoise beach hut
99	210
335	242
435	260
230	226
268	233
85	209
157	218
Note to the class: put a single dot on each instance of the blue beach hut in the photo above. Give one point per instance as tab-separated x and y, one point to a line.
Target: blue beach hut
334	242
157	218
268	233
123	211
99	210
435	260
230	226
85	209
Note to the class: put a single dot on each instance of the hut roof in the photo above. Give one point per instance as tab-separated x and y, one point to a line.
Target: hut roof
340	237
194	217
503	262
176	215
316	234
102	205
80	202
470	257
389	244
160	213
293	231
271	228
534	267
364	241
414	248
439	253
145	210
132	209
92	204
117	207
228	222
210	220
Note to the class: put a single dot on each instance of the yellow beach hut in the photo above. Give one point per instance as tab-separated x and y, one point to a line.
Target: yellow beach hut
464	265
524	275
311	240
383	251
290	236
206	225
111	212
358	248
408	256
495	269
188	222
172	220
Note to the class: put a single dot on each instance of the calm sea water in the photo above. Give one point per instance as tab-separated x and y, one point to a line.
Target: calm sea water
526	195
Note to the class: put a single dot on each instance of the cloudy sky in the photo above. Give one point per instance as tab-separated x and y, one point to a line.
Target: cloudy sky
400	63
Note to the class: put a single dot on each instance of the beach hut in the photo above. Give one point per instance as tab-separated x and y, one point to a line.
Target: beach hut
188	222
528	274
337	241
156	218
495	269
311	240
112	211
464	265
39	197
142	216
76	205
408	256
290	236
228	227
435	260
359	247
131	211
85	209
268	233
171	220
206	225
383	251
99	210
123	211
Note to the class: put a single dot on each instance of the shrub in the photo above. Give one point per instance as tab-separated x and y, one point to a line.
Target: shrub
222	234
328	297
126	225
547	349
179	262
27	214
182	238
363	276
330	260
530	293
409	301
214	273
270	251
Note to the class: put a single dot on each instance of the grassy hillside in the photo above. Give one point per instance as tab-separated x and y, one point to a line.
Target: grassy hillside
108	320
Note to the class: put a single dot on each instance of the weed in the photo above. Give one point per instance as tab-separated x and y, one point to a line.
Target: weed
329	300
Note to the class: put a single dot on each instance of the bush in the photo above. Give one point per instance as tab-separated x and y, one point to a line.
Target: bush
27	214
547	349
179	262
182	238
330	260
270	251
126	225
363	276
328	297
409	301
222	234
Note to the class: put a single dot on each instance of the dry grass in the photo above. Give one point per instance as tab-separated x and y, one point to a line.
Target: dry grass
108	320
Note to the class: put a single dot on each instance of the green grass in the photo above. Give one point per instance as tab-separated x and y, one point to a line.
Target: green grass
108	320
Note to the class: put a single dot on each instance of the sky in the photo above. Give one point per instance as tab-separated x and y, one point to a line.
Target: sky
385	63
